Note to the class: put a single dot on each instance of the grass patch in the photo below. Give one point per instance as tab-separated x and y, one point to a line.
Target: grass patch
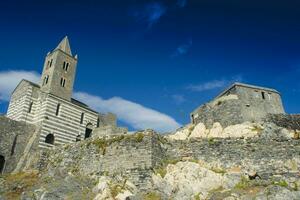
197	196
19	182
152	196
218	170
211	141
243	184
281	183
257	128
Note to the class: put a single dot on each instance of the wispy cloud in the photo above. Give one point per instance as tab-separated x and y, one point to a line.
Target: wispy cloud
214	84
134	114
150	13
182	49
181	3
179	99
10	79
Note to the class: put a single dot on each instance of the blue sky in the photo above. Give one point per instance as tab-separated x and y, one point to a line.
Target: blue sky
163	56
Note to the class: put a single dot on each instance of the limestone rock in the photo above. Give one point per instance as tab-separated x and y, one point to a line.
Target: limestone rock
199	131
216	130
184	180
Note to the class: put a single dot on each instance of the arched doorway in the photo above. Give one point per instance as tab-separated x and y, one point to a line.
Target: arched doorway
2	163
88	130
49	139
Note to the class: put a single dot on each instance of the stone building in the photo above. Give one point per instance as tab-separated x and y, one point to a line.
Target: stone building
239	103
50	106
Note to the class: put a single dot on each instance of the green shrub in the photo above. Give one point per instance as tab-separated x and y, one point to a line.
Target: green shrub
152	196
243	184
281	183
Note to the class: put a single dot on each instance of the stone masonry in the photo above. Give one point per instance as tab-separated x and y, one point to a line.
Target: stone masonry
239	103
18	144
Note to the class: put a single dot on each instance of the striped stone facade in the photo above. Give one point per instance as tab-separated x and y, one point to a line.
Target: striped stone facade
61	118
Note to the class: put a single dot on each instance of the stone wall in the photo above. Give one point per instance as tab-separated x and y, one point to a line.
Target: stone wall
225	112
18	142
266	157
133	156
254	107
288	121
237	105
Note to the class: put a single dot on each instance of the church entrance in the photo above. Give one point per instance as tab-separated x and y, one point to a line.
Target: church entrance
88	130
2	163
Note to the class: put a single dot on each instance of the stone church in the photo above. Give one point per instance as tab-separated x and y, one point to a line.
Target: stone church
238	103
49	105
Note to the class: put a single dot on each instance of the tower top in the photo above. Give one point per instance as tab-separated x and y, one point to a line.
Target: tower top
64	45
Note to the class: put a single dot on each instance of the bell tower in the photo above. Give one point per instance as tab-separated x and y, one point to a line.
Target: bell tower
59	71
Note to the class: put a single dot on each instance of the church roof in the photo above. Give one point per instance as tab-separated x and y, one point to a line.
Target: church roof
64	45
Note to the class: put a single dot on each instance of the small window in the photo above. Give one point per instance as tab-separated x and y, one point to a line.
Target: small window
62	82
30	107
57	109
45	81
49	139
98	122
65	66
13	148
81	118
263	95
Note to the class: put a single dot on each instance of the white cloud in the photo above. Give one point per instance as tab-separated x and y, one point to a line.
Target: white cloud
10	79
136	115
207	86
179	99
214	84
150	13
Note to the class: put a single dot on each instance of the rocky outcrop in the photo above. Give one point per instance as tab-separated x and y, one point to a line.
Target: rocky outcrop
193	180
244	130
146	165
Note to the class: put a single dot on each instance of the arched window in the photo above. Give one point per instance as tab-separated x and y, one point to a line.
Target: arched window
88	130
49	139
2	163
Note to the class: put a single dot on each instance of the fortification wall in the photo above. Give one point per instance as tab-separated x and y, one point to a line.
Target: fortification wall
285	120
225	112
132	156
14	142
256	104
266	157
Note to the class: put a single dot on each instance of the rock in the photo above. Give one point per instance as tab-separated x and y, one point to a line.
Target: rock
281	193
124	195
181	134
199	131
242	130
216	130
186	179
102	189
